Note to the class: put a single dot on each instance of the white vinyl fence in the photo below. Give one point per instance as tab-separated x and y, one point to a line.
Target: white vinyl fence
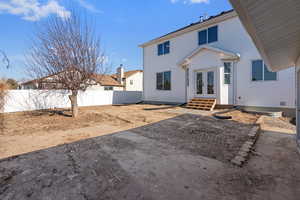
28	100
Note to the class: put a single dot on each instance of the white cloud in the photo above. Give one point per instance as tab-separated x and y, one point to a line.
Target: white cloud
190	1
33	10
88	6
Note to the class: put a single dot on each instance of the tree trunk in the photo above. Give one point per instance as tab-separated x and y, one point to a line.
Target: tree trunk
74	105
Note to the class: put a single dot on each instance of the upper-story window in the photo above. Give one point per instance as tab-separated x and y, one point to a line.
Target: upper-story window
260	72
208	35
163	48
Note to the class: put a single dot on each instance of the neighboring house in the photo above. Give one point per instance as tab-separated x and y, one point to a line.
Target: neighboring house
99	82
214	58
106	82
131	80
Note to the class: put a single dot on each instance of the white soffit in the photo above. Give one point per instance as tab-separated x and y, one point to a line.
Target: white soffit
274	26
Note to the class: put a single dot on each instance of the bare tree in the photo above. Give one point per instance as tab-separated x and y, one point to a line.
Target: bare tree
3	91
4	59
68	52
3	83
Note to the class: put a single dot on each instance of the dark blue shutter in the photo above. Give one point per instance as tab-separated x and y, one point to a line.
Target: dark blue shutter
203	37
213	34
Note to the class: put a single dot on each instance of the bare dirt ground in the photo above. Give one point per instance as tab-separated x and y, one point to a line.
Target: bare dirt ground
242	117
142	163
30	131
281	124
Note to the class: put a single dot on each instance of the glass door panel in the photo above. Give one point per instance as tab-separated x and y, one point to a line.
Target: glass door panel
199	83
210	82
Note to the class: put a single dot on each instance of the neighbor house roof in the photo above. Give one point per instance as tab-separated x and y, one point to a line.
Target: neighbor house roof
274	27
103	80
45	77
194	26
37	80
128	73
224	54
106	80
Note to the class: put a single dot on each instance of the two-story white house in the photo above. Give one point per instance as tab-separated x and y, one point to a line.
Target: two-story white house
214	58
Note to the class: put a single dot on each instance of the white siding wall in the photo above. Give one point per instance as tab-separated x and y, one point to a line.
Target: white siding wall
137	79
233	38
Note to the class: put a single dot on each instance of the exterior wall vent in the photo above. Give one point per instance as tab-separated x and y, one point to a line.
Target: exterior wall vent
282	103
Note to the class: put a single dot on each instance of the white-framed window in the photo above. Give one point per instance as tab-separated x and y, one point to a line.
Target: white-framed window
207	36
163	48
163	80
131	82
227	73
260	72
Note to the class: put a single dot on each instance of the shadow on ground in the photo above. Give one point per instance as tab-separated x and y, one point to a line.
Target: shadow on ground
51	112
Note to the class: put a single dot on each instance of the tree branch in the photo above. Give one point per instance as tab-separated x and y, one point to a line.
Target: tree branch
5	58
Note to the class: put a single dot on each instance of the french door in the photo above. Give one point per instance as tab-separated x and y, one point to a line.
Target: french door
205	84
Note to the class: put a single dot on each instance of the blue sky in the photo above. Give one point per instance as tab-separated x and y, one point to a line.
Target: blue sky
122	24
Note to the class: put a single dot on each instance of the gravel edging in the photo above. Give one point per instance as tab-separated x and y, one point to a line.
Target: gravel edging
244	151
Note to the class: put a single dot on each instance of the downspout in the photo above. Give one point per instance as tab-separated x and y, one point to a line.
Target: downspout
297	88
234	82
143	94
185	81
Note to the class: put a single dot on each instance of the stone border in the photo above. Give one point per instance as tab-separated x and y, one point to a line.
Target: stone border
244	151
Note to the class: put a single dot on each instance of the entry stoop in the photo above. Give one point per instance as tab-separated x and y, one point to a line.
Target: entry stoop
202	104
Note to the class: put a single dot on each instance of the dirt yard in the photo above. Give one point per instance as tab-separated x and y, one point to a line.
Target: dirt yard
30	131
182	156
152	148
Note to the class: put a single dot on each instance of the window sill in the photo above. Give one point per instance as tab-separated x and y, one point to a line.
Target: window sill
207	43
263	81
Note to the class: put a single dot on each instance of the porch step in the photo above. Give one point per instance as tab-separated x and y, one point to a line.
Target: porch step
203	100
202	104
